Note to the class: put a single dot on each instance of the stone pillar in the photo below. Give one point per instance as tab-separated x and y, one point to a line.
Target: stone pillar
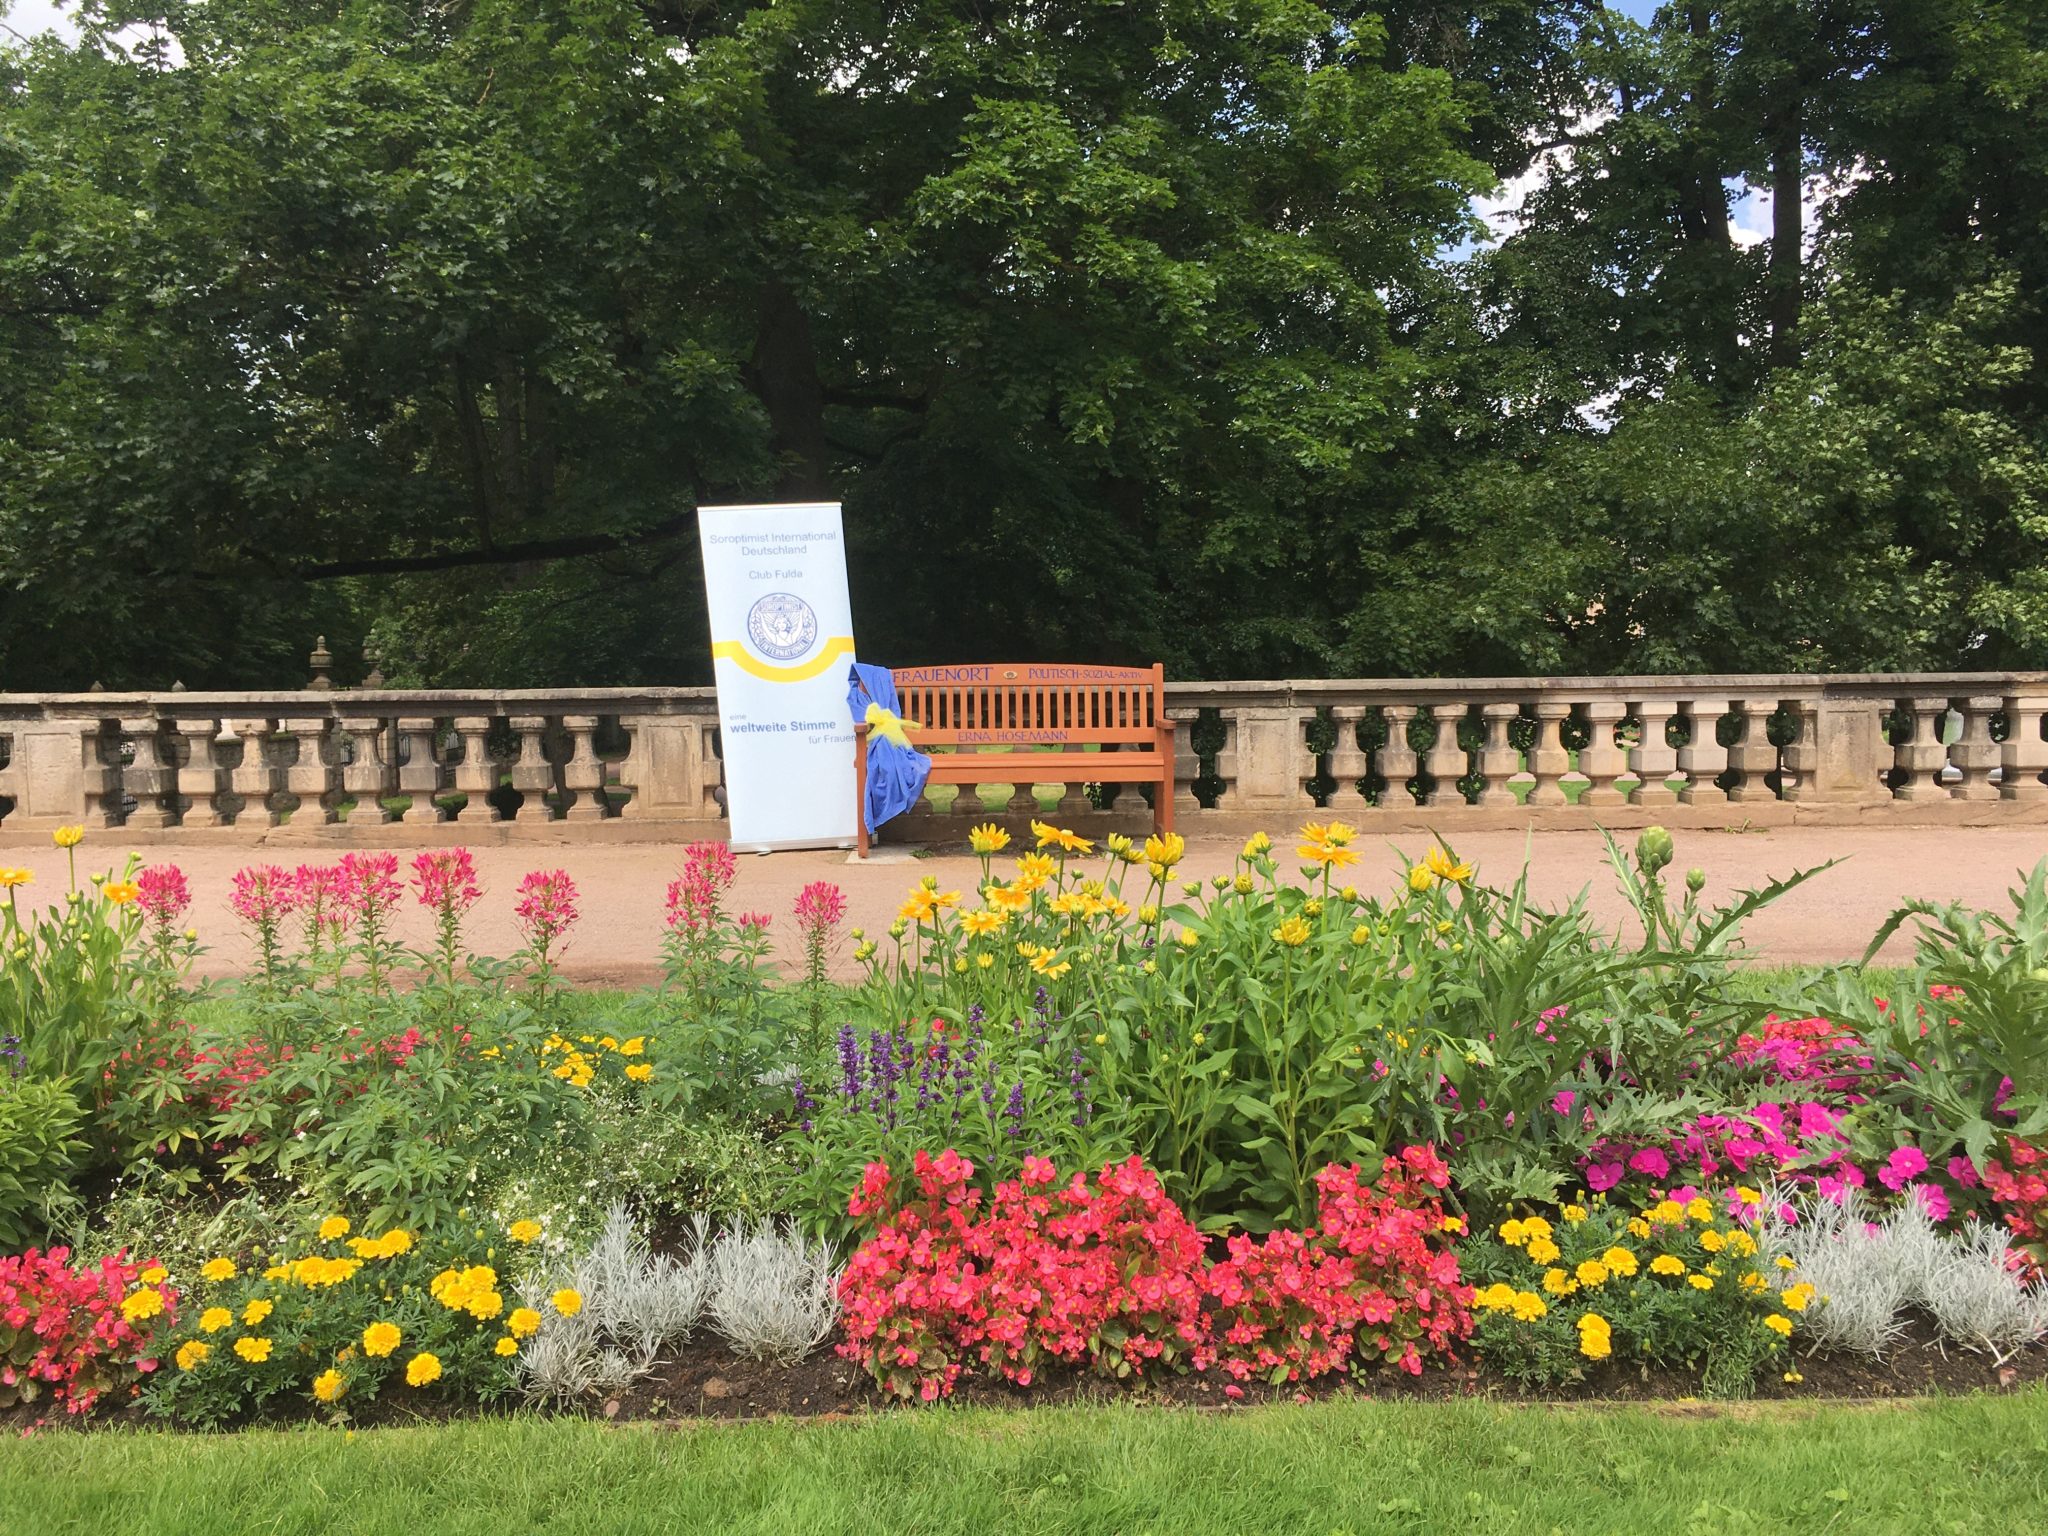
1702	758
1447	761
2023	755
55	761
1548	759
419	776
1187	767
250	778
314	777
1499	761
145	775
1272	745
532	774
673	771
1923	754
1653	759
1603	761
1975	754
1349	762
1841	754
1397	761
476	776
585	770
363	776
197	779
1751	754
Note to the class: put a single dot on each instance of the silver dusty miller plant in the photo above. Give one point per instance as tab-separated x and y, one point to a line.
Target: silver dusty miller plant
635	1304
774	1295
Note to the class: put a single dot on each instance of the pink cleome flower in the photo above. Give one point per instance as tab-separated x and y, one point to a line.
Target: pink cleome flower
264	893
162	894
445	880
547	906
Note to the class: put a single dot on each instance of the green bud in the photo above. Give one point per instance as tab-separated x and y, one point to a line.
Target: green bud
1653	850
1695	879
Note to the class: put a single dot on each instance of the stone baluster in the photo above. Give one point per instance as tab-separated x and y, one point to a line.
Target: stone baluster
105	799
249	779
1751	754
1702	759
196	775
1447	762
1271	747
1923	755
1397	761
532	774
2023	755
314	775
1349	762
1499	761
476	776
1548	758
419	775
145	776
584	772
1604	761
1975	754
364	776
1187	767
1653	759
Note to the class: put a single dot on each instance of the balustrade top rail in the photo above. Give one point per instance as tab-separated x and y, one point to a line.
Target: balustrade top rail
1549	751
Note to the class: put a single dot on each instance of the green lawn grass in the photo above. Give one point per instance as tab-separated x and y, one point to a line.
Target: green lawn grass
1962	1465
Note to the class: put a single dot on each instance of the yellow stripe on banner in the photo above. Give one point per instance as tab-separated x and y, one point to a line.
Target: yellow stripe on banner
747	661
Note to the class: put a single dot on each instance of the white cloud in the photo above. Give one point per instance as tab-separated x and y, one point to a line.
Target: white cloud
27	18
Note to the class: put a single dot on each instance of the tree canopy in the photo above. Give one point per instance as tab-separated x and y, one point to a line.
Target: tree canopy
1152	330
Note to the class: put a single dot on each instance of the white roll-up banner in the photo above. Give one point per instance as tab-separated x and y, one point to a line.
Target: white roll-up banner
781	646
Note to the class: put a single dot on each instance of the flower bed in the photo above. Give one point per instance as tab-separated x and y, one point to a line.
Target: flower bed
1088	1120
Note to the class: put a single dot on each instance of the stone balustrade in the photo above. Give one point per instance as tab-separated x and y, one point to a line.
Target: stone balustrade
452	765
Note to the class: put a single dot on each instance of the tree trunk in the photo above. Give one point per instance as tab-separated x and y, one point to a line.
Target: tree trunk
783	374
1788	185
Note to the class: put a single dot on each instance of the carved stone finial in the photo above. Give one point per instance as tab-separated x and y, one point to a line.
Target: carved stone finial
323	663
97	687
375	679
177	687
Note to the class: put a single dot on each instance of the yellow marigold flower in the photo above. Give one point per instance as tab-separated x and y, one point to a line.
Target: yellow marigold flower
1747	1195
147	1302
253	1350
218	1270
156	1274
1420	879
1529	1307
1293	933
1796	1298
192	1354
634	1046
1619	1261
1752	1281
507	1346
422	1369
1784	1261
1667	1264
1513	1233
119	892
329	1385
1779	1324
1536	1226
1258	843
640	1072
1699	1208
1699	1282
1741	1244
379	1339
1596	1341
523	1322
1448	1224
1638	1228
1667	1213
256	1311
1712	1241
1591	1272
486	1305
68	837
1558	1283
333	1227
1440	861
1573	1214
566	1301
395	1242
213	1319
1542	1251
524	1231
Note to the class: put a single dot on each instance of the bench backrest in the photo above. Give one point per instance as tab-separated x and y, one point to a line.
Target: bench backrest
1032	703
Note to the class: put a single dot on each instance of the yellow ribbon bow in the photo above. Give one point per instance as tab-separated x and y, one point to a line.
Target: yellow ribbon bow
888	725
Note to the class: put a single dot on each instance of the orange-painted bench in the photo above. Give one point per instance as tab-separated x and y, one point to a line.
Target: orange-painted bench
962	711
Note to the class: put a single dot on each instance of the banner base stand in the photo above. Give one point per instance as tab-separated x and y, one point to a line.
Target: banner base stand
796	847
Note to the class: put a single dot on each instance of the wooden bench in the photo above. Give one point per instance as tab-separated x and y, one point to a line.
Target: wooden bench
964	710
